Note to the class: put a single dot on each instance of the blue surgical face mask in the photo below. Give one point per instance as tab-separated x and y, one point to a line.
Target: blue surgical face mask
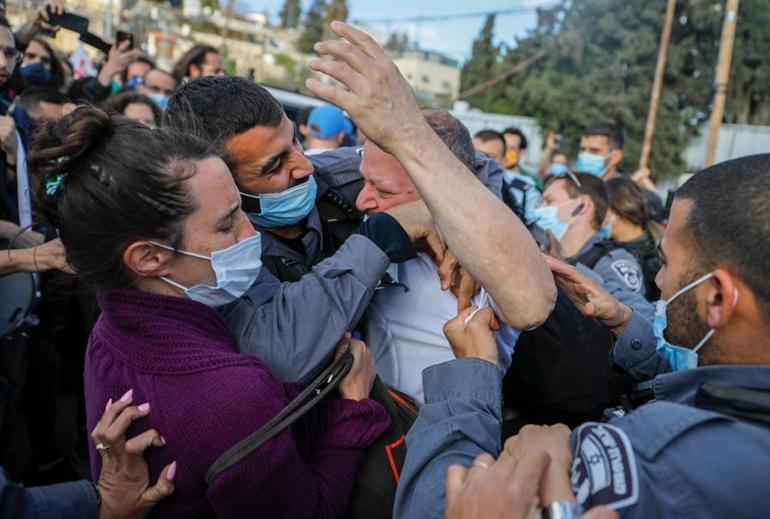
285	208
236	269
159	99
679	357
547	218
591	164
35	74
557	169
134	82
606	230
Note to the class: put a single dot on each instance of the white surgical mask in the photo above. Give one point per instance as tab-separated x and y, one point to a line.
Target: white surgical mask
236	269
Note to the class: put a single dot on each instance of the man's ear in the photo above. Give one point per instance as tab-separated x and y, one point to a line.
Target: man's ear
147	260
616	157
721	299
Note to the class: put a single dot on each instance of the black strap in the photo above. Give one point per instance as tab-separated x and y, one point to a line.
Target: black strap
592	256
739	402
325	382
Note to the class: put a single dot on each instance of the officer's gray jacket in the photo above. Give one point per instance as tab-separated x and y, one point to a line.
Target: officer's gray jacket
667	458
294	327
620	274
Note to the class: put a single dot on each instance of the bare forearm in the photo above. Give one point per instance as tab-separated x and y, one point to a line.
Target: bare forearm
16	260
485	236
26	33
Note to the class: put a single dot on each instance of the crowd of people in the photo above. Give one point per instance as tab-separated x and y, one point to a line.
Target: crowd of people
364	311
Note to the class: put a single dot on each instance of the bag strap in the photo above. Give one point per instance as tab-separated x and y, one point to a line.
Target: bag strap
324	383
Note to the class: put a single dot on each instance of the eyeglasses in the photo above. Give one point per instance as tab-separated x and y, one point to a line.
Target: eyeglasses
11	54
574	178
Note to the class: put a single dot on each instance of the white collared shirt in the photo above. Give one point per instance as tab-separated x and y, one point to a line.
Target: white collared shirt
405	328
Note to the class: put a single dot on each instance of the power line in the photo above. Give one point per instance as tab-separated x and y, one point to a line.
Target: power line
442	17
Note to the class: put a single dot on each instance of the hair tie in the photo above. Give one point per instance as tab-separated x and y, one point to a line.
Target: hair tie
53	183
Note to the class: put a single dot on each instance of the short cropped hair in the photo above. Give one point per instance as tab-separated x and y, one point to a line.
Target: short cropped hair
454	134
218	108
515	131
488	134
591	186
612	131
729	222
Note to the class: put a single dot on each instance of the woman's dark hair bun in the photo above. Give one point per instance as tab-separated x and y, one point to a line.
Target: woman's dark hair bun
59	145
105	182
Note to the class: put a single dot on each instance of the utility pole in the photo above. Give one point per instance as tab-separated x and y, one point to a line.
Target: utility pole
722	76
657	85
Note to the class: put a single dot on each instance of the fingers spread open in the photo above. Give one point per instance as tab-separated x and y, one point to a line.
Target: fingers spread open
346	52
334	94
358	38
340	71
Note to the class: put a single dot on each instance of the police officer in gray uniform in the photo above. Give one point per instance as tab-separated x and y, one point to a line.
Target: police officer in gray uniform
322	262
573	211
694	441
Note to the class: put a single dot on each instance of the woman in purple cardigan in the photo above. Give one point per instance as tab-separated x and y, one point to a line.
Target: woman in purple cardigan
152	219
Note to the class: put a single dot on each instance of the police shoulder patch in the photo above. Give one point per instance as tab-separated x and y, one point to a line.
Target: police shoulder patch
629	272
604	471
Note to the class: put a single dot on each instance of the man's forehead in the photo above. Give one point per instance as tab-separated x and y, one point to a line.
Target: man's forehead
597	141
262	141
6	37
676	230
556	189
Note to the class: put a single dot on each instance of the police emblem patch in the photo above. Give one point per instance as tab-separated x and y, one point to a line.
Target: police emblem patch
629	273
604	470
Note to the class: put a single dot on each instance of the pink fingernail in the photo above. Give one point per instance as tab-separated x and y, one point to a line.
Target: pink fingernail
162	439
127	396
144	407
109	404
171	471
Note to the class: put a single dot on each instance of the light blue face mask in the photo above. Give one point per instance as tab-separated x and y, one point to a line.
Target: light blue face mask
591	164
557	169
679	357
606	230
547	218
285	208
236	269
159	99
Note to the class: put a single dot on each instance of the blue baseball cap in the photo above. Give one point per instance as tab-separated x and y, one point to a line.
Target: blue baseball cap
326	121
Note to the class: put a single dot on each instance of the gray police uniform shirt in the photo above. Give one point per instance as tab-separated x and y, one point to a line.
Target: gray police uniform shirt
669	458
294	327
620	274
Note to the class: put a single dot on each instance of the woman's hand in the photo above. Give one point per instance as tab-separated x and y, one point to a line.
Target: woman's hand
358	383
124	482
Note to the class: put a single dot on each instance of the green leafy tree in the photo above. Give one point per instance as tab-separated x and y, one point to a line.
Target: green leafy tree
599	64
290	14
483	60
335	10
312	27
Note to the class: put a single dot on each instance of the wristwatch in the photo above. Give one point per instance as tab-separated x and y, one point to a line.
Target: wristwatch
561	510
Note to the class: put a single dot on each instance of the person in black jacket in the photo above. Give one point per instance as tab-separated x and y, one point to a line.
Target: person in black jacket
628	224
